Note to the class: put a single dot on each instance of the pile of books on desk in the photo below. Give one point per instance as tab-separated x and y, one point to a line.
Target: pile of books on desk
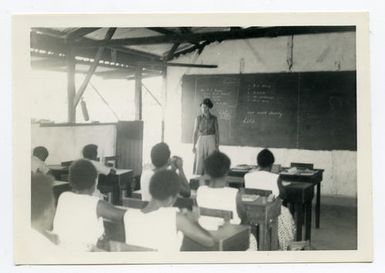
240	170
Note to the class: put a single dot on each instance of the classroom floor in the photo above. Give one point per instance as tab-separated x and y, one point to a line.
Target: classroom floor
338	229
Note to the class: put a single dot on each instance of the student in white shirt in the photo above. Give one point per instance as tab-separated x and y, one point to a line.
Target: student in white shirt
218	196
160	225
39	155
262	178
90	152
160	158
79	215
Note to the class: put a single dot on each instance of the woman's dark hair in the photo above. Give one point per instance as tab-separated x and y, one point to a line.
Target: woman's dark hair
217	164
82	175
265	158
41	195
160	154
40	152
90	151
164	184
207	102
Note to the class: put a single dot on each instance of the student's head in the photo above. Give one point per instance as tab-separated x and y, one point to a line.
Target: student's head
42	201
160	155
40	152
90	151
82	176
164	187
217	165
265	158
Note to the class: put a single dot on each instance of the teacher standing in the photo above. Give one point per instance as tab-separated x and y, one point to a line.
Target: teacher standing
205	136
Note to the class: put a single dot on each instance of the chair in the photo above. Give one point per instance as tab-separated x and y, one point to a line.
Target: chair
133	203
256	191
302	165
226	215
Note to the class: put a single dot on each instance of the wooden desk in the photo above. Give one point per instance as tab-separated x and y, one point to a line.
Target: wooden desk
59	172
228	237
235	178
59	187
265	215
120	183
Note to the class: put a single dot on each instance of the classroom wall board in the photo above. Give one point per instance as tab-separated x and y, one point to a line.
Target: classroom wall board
306	110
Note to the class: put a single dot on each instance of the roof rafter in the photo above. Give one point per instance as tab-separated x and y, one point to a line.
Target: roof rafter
251	32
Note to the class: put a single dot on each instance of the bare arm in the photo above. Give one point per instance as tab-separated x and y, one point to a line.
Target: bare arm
193	230
109	211
216	133
195	133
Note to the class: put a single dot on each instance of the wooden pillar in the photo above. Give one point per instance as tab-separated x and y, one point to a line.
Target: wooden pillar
138	93
164	99
71	89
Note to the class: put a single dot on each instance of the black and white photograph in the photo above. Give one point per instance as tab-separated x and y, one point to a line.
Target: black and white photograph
215	138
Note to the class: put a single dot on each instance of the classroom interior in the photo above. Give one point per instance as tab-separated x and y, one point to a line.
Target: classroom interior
127	89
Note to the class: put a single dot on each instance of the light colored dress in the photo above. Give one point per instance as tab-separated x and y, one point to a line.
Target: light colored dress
76	221
265	180
156	229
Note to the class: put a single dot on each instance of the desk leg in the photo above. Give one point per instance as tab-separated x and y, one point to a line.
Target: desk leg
274	235
299	220
318	206
308	212
262	244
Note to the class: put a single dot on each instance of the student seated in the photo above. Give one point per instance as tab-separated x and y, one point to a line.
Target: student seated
160	158
79	215
42	213
39	155
217	196
159	225
262	178
90	152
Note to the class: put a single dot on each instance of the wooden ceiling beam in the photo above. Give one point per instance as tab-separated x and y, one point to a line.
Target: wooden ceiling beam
80	32
162	30
247	33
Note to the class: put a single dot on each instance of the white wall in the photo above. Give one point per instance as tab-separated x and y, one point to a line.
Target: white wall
321	52
66	143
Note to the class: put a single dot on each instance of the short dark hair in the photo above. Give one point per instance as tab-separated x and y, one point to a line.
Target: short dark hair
40	152
164	184
41	195
160	154
82	175
217	164
90	151
207	102
265	158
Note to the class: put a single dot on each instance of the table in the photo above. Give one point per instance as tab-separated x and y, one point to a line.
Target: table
59	187
120	182
302	176
228	237
59	172
299	195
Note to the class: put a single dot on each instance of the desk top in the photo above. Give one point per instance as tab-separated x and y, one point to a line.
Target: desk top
123	171
57	167
57	183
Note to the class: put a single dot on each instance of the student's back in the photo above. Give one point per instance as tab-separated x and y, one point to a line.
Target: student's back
156	229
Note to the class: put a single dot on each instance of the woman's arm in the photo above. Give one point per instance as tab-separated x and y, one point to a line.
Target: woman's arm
195	133
109	211
216	133
193	230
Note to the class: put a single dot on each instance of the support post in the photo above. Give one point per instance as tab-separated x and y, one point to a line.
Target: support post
138	93
71	89
164	99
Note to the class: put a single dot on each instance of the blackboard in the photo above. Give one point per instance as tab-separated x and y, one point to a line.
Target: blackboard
311	110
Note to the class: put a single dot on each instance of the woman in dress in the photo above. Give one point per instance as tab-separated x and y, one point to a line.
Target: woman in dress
205	136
